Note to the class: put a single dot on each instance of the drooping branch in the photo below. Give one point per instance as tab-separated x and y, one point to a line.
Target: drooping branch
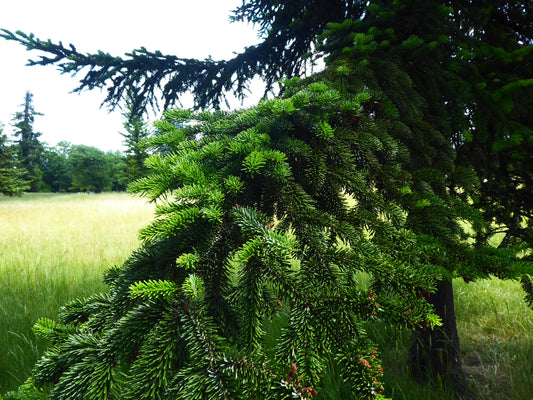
288	34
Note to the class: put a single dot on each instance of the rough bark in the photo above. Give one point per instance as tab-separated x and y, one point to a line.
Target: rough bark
435	353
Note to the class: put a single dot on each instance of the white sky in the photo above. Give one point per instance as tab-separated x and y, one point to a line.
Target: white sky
186	28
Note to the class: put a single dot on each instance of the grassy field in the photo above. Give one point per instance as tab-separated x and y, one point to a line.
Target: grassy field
496	337
56	247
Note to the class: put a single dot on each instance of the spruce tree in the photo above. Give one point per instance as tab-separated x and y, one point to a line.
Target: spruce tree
501	105
415	73
248	284
12	182
463	151
137	130
30	148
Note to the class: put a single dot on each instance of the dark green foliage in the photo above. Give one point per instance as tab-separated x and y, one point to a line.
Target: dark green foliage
57	174
470	63
29	146
288	31
12	182
499	59
266	214
92	169
67	167
273	213
136	132
430	65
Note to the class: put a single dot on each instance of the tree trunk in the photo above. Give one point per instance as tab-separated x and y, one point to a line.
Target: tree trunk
434	353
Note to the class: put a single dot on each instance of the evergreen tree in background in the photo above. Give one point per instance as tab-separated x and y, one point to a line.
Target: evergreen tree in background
421	120
12	182
30	148
137	131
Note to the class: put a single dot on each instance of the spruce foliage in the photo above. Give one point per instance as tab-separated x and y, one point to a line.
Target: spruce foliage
248	282
444	71
287	34
29	146
12	182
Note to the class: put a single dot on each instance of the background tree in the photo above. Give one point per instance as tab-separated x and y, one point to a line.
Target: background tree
12	180
57	174
30	148
94	170
119	170
67	167
136	132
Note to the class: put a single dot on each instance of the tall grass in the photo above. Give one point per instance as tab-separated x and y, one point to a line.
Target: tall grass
55	247
496	337
496	328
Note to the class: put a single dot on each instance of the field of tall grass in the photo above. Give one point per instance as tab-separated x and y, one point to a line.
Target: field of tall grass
55	247
496	337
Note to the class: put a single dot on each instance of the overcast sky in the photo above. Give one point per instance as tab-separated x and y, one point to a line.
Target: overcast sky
187	28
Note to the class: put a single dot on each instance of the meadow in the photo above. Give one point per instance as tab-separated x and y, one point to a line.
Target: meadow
55	247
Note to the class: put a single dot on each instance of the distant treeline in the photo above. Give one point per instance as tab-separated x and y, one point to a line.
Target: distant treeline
26	164
67	167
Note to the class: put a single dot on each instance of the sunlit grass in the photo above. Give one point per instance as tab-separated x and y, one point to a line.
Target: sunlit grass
496	337
55	248
496	328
